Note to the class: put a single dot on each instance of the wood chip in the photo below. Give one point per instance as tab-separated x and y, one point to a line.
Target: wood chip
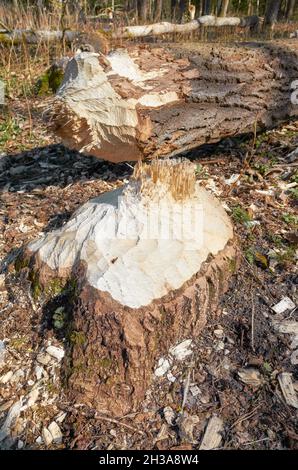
212	437
285	304
286	326
250	376
287	388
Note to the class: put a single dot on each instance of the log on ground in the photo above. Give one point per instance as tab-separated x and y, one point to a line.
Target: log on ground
160	101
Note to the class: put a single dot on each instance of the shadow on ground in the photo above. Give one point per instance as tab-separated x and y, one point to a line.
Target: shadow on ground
54	165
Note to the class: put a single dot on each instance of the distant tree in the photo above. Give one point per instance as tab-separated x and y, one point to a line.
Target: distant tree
290	9
224	8
207	7
157	10
142	7
271	12
182	9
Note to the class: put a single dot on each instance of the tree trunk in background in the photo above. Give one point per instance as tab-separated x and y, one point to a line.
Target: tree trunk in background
258	7
200	8
271	13
290	9
224	8
142	6
157	10
182	9
207	7
174	5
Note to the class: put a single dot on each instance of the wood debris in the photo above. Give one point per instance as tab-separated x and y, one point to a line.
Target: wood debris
287	388
213	434
251	376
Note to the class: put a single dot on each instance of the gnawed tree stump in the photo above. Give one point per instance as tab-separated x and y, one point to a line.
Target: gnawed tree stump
150	262
161	101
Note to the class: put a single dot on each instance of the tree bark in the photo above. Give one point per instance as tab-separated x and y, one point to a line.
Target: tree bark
224	8
157	10
137	294
142	6
207	7
153	101
271	13
182	9
290	9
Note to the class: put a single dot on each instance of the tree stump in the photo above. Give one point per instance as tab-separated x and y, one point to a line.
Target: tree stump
150	262
146	101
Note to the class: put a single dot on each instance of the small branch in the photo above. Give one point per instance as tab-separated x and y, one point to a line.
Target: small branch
115	421
186	389
252	322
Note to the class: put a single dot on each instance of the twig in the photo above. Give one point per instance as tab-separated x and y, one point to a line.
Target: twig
252	322
186	389
124	425
210	162
255	442
256	278
246	416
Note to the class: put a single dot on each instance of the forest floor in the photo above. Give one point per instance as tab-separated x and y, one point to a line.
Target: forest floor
236	368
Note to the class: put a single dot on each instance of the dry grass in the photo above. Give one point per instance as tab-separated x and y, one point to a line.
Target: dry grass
28	17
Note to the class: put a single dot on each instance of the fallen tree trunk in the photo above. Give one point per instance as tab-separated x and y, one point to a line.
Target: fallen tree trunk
157	29
161	101
35	37
148	264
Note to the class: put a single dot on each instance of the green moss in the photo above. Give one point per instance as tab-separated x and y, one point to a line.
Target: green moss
55	79
78	338
21	263
105	363
59	318
50	81
232	265
35	285
55	287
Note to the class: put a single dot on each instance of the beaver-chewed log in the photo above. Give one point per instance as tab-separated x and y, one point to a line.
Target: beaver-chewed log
160	101
150	262
38	36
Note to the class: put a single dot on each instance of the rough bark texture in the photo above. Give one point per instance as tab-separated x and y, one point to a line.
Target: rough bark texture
290	9
113	368
175	99
114	349
224	8
138	293
271	13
